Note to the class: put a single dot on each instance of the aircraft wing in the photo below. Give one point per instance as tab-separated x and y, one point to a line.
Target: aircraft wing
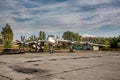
98	44
69	42
42	41
62	40
89	43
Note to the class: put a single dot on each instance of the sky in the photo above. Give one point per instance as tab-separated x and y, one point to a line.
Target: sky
91	17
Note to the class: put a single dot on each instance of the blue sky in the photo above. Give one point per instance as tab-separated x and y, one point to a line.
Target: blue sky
93	17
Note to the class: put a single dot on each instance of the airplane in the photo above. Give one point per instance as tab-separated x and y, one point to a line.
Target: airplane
52	42
33	43
87	45
38	45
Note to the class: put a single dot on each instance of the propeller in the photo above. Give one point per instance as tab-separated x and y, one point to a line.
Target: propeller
21	42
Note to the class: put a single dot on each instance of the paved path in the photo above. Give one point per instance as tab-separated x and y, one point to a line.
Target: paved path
85	65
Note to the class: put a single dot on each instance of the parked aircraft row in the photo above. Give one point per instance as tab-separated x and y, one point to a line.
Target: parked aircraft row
38	45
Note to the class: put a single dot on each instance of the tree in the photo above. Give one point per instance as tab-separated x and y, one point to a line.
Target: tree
68	35
21	42
7	35
42	35
118	42
113	43
76	36
51	36
118	45
72	36
7	44
1	40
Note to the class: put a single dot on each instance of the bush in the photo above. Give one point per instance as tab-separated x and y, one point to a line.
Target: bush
7	44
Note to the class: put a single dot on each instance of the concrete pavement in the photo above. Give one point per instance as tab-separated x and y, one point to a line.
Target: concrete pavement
85	65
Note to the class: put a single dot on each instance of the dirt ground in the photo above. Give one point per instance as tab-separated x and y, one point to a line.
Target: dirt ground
83	65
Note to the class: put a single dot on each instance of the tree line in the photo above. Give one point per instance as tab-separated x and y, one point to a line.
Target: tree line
6	38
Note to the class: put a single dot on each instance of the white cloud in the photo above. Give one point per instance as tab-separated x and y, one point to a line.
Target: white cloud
87	35
68	15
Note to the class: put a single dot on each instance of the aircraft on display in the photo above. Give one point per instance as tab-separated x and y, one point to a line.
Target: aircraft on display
33	43
38	45
52	41
86	45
